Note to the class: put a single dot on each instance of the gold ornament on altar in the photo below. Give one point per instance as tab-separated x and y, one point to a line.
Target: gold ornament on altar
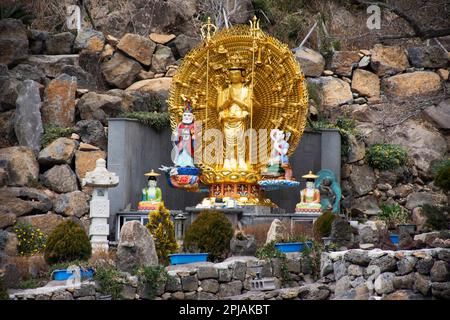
240	80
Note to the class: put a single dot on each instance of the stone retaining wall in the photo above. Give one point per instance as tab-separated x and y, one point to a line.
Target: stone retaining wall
351	274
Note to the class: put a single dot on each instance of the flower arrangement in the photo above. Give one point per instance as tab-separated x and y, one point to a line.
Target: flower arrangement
31	240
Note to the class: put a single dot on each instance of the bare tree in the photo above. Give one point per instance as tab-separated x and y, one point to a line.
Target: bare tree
220	10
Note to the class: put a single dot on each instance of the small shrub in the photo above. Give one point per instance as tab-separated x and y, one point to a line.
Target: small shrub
110	281
269	252
67	242
156	120
322	226
51	133
311	257
393	214
162	229
151	278
31	283
211	232
442	175
31	240
436	216
385	156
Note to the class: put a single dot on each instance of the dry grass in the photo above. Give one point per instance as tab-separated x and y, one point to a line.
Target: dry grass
101	257
30	265
259	231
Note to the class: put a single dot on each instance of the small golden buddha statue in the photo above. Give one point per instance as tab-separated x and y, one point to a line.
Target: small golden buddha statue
310	196
233	103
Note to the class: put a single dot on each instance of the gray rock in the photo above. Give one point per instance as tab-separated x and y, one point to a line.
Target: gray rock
367	205
314	292
341	232
95	106
225	275
326	265
85	39
444	255
440	272
384	284
428	57
60	179
21	201
28	123
440	114
51	65
92	132
239	270
23	168
232	288
136	247
355	270
246	247
423	266
276	231
406	265
343	62
206	296
340	269
183	44
128	292
294	265
342	286
13	41
173	284
23	72
72	204
162	58
85	80
120	71
60	43
422	284
417	199
189	283
84	291
210	285
62	295
386	263
207	272
367	234
59	151
404	282
362	179
311	62
358	257
441	290
9	91
359	281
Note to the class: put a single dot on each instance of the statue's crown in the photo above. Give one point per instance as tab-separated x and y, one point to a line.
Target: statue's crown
237	61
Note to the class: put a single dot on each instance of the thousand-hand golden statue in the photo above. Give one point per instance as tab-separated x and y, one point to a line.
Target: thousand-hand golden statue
242	83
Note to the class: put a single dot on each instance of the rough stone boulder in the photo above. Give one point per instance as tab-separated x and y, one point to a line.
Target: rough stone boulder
311	62
51	65
366	83
136	247
183	44
59	151
9	90
23	167
161	38
28	123
92	132
120	71
60	43
362	179
417	199
90	40
98	106
162	58
23	72
72	204
424	145
85	161
36	39
59	101
440	114
412	85
332	91
388	60
13	41
85	80
22	200
60	178
137	47
343	62
428	57
158	87
46	222
367	205
341	232
276	231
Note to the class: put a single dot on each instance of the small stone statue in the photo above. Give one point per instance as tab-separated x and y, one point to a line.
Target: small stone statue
184	135
152	195
309	197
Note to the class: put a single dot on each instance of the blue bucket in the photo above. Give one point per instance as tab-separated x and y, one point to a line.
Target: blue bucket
394	238
290	247
182	258
64	274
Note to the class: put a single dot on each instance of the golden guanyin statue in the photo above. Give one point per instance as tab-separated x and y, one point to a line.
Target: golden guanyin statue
242	83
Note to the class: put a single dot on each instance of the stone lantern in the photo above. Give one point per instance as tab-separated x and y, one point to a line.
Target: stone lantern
100	179
179	226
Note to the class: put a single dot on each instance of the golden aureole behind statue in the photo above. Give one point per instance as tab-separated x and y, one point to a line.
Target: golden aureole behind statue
246	91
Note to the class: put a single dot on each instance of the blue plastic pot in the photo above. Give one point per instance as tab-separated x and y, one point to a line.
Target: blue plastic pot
182	258
64	274
394	238
290	247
